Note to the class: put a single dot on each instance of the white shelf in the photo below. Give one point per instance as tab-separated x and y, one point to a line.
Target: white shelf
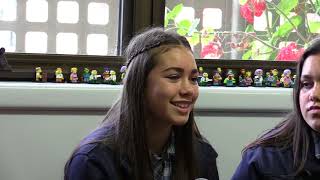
25	95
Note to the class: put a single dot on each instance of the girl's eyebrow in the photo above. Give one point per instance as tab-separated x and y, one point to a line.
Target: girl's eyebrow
180	70
306	76
173	68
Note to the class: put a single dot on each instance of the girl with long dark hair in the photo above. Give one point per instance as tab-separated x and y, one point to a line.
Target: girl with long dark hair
291	150
150	132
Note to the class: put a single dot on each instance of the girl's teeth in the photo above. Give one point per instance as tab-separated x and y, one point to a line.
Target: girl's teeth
182	105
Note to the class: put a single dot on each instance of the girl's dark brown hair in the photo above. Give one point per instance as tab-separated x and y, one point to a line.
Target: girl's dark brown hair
293	132
124	128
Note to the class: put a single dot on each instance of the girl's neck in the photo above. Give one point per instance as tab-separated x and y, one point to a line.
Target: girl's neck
158	137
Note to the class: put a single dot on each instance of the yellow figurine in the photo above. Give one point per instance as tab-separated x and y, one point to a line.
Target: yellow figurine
38	74
59	75
74	75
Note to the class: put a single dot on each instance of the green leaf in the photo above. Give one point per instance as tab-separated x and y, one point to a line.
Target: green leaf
249	28
175	11
193	27
260	51
207	35
247	55
184	24
314	27
242	2
273	55
287	5
194	40
183	27
287	27
182	32
206	40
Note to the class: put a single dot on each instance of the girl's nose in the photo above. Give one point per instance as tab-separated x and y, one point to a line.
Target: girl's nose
187	88
315	92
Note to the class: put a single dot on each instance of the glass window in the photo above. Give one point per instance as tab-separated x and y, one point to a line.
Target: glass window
67	43
8	10
245	29
37	11
8	39
98	13
60	26
96	46
208	13
68	12
36	42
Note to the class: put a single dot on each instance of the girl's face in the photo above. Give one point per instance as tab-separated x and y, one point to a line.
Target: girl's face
310	92
172	88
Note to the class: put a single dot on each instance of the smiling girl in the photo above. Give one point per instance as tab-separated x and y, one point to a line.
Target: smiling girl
150	132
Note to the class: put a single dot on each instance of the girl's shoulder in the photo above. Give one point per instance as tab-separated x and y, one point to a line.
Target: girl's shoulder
260	151
269	159
204	147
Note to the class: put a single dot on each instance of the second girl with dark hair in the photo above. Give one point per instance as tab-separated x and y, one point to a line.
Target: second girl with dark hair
291	151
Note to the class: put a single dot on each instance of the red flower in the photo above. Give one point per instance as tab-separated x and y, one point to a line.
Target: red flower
246	12
212	50
252	8
290	53
259	7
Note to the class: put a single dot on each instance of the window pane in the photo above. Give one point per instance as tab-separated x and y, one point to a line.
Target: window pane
313	22
238	29
67	43
97	44
98	13
8	10
37	11
36	42
68	12
66	26
8	40
208	13
186	13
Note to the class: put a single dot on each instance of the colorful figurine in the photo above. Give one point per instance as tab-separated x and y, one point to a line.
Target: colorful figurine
276	82
200	75
258	78
286	79
123	73
248	78
94	77
106	76
229	81
85	75
242	79
204	80
74	75
113	77
38	74
59	75
216	78
269	79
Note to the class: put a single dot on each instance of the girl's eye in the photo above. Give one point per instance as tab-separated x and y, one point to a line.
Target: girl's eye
306	84
173	76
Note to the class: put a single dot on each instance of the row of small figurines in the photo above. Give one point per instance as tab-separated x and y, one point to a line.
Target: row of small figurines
270	79
87	76
245	79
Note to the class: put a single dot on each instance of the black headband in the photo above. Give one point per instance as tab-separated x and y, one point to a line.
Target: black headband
146	48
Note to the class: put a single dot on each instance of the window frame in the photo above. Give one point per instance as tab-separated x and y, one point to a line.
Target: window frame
134	16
